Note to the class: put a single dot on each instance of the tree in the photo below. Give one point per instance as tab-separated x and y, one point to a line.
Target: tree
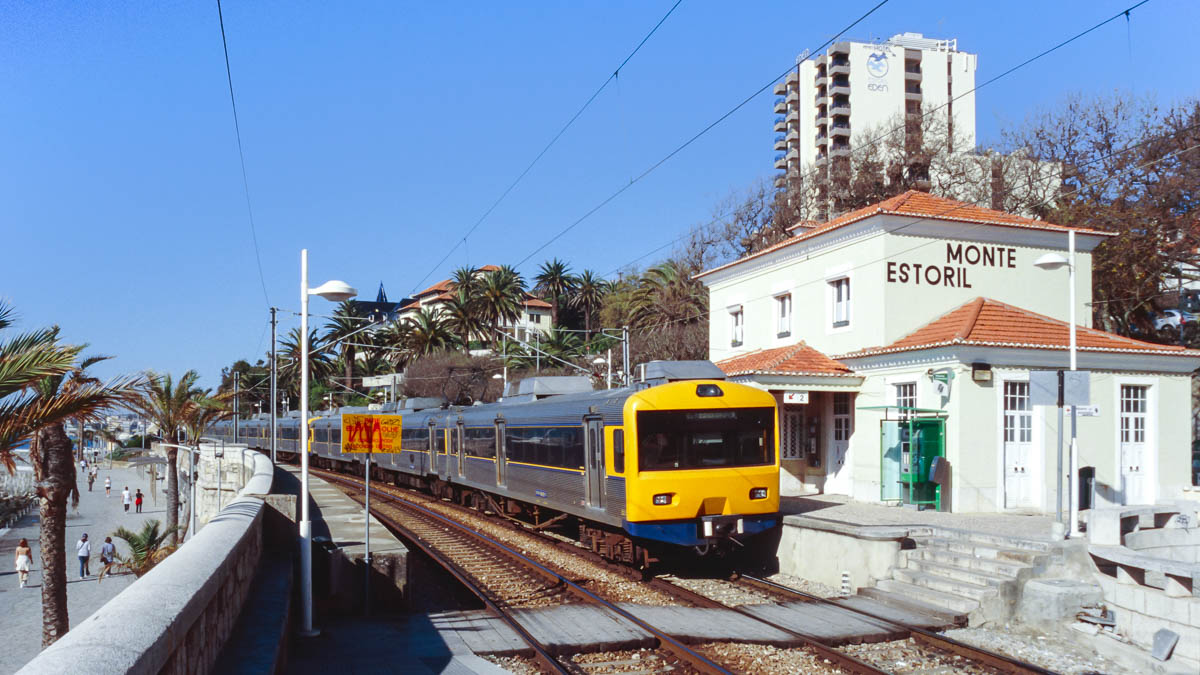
168	403
429	333
462	317
589	294
147	548
501	298
203	411
394	343
1128	167
465	279
346	320
554	281
320	366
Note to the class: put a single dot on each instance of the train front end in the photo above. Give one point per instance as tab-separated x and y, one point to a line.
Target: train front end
704	464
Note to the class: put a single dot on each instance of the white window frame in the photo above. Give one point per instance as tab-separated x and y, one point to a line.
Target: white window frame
897	401
737	326
784	311
835	323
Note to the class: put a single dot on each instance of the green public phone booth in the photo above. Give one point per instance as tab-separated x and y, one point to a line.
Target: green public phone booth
911	441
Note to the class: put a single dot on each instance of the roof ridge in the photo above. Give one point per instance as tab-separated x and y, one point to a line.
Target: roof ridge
973	316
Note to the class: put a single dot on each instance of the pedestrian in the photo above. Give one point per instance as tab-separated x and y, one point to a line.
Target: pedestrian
137	500
125	498
24	556
84	549
91	480
107	486
108	552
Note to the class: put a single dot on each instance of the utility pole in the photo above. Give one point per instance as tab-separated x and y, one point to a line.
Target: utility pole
625	353
237	379
274	395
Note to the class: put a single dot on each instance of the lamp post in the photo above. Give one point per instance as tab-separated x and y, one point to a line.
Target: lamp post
599	361
334	291
1054	261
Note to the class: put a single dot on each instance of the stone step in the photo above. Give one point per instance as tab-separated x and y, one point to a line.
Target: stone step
998	540
1006	568
948	617
945	585
954	603
971	576
967	547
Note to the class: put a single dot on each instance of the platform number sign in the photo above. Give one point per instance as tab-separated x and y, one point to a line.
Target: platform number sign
371	433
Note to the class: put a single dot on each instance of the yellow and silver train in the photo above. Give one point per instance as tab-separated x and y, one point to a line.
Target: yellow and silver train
679	459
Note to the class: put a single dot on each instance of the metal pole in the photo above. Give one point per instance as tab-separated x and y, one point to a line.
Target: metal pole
220	456
237	379
1073	463
274	394
625	353
195	505
306	627
608	377
367	540
1058	476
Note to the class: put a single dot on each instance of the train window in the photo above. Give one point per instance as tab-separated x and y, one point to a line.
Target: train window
480	442
619	451
703	439
414	439
322	435
335	435
549	446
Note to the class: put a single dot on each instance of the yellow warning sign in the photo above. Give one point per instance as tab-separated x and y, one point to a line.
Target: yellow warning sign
371	433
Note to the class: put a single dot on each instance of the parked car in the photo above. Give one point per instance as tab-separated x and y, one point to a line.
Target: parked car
1173	318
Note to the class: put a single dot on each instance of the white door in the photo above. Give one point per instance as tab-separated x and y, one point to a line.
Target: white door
1018	446
1133	444
837	480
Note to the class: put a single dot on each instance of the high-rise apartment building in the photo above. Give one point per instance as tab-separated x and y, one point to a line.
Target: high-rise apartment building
830	103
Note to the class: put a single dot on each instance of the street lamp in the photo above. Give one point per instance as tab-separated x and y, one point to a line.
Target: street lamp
1051	262
334	291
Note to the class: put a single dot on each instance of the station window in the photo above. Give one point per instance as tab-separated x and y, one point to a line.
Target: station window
906	394
535	318
839	301
783	315
736	321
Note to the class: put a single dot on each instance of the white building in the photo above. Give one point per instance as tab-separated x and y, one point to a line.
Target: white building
535	312
921	310
828	102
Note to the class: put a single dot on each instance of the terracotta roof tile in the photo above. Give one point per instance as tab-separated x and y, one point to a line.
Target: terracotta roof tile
987	322
918	204
797	359
537	302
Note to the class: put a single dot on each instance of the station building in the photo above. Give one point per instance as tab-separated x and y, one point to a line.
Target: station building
917	321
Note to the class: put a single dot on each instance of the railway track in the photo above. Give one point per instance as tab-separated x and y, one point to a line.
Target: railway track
919	650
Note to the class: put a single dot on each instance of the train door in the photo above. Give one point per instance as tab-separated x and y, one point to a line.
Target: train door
501	454
444	436
433	444
458	455
594	462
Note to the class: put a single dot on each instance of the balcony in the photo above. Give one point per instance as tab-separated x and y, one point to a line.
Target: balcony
793	77
821	113
793	155
781	161
840	88
912	71
793	116
793	97
780	142
820	96
912	92
780	89
839	129
840	67
780	124
781	180
840	107
780	106
822	157
793	136
839	150
820	80
821	140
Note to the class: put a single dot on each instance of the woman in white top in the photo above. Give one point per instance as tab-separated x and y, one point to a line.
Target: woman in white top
24	556
108	486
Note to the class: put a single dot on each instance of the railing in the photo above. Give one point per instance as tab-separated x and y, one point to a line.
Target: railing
780	101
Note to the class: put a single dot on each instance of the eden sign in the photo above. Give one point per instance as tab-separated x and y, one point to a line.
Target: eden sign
959	261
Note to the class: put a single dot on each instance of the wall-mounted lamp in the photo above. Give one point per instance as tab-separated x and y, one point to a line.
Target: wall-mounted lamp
981	372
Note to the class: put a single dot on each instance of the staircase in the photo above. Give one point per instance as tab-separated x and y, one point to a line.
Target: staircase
976	574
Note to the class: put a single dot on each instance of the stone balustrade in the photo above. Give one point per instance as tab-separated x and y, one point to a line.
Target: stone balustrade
176	618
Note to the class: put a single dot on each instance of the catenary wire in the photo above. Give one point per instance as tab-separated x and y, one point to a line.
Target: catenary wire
242	156
563	130
691	140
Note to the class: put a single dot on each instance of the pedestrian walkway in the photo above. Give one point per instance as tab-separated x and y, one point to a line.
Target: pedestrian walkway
842	509
21	608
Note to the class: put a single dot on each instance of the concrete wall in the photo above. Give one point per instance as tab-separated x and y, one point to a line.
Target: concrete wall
820	551
176	618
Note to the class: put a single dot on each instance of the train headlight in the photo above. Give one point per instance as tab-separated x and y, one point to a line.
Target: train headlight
758	493
663	499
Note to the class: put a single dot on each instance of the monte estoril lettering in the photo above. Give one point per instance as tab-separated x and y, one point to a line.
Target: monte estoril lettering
959	259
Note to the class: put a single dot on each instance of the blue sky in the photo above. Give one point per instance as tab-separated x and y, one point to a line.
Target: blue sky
377	133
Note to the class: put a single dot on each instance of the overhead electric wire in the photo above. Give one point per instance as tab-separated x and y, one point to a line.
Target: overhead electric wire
615	74
693	139
242	156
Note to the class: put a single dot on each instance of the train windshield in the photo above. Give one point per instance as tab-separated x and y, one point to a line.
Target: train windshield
705	439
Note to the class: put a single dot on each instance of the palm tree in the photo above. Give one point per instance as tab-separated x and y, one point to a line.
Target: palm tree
167	403
146	549
667	293
562	344
394	343
554	280
465	279
589	295
461	314
429	333
346	320
501	297
320	366
200	413
41	388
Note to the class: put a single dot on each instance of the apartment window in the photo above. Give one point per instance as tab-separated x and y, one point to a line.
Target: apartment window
839	296
736	321
906	394
535	318
783	315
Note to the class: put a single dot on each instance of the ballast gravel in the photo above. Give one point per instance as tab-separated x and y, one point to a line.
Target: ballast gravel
1052	652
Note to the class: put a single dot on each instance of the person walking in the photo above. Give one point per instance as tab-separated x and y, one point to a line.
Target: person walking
137	501
125	498
23	558
107	486
84	549
108	552
91	480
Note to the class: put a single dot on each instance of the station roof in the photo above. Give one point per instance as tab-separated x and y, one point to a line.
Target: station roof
797	359
914	203
985	322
